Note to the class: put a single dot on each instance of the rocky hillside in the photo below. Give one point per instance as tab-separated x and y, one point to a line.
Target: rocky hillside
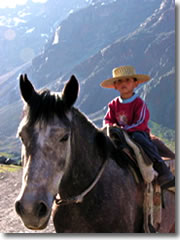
151	50
92	41
26	29
87	31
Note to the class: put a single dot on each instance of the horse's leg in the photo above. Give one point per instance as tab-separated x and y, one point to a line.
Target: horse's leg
173	229
168	213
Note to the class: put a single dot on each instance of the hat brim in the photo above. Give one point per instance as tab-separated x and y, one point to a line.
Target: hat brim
109	83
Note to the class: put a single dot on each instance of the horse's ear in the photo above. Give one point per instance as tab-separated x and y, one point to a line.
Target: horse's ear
26	87
70	92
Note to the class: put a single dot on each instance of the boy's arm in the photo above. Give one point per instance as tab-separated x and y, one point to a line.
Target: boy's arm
110	118
140	118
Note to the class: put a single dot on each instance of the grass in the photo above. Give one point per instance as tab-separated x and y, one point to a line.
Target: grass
9	168
168	136
5	154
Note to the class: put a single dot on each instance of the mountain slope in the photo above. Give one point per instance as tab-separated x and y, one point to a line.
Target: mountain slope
26	29
86	32
152	52
92	50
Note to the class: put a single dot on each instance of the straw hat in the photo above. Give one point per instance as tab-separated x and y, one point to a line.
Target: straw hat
124	72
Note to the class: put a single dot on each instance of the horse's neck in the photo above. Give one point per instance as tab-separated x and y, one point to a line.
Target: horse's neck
85	161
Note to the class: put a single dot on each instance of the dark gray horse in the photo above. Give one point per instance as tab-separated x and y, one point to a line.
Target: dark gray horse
63	152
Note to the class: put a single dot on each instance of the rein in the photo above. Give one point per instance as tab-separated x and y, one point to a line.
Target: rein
79	198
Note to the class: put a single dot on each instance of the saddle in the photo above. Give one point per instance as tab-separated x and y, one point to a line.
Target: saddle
141	161
142	168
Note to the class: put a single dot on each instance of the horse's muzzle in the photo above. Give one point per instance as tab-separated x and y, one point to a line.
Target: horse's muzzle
34	216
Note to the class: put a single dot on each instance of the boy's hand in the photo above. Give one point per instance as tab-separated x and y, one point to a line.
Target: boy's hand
115	125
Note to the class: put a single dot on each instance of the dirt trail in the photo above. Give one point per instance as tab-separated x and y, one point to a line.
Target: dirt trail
10	184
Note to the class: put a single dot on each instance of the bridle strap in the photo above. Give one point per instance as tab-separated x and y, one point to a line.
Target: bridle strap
79	198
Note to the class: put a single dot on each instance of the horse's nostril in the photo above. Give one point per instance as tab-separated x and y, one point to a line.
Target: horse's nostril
41	210
19	208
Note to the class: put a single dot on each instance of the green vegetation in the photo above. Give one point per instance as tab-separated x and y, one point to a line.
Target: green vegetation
5	154
167	135
12	158
9	168
10	145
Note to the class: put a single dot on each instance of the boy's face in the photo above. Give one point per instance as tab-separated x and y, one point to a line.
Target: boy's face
125	86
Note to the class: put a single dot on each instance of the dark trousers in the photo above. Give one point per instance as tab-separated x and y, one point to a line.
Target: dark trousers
143	139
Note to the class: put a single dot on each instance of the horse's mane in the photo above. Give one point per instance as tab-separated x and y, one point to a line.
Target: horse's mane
103	142
85	121
44	106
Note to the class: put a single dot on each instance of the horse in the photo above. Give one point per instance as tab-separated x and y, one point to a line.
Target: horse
69	170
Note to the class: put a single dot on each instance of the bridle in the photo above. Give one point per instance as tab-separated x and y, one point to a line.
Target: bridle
79	198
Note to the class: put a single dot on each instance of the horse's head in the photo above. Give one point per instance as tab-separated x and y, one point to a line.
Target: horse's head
45	132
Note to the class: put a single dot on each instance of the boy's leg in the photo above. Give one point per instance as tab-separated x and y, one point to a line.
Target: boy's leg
150	149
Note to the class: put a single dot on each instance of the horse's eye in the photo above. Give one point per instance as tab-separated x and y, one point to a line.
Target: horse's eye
65	138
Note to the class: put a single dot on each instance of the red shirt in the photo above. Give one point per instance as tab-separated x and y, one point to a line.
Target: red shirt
130	114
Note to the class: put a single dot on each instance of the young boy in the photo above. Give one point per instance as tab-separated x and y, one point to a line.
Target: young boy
129	112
